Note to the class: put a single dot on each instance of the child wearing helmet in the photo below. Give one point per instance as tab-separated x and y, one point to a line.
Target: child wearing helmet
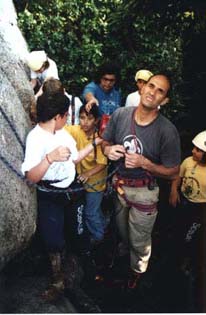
192	177
188	196
41	68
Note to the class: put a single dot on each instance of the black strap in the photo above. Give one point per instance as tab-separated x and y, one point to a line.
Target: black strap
73	109
133	131
146	173
95	147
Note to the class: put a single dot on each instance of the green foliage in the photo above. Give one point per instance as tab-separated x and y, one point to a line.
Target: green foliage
71	32
81	34
144	41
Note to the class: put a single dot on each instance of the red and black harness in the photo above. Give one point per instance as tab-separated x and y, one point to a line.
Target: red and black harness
119	183
145	180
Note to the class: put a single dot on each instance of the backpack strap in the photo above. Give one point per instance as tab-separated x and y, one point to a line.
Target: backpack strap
73	109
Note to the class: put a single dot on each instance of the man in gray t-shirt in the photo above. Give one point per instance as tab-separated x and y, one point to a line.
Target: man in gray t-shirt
144	145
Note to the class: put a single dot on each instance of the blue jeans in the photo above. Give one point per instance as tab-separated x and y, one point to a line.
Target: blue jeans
94	218
61	221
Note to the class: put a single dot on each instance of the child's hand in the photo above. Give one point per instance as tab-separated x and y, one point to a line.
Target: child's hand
83	178
60	154
98	140
174	198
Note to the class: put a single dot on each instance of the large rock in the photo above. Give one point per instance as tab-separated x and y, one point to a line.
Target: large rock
17	200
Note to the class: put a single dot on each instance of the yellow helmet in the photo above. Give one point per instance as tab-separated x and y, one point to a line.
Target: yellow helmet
200	141
143	75
36	59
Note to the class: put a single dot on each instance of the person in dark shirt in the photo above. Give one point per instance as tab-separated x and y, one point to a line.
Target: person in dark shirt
145	145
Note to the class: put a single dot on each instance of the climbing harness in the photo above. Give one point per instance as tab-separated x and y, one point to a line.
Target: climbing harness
43	185
119	182
145	179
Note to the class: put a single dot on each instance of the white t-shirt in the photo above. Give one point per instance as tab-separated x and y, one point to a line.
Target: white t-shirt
39	142
133	99
77	105
49	72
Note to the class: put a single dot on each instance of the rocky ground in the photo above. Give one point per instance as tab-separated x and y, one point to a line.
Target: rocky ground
167	286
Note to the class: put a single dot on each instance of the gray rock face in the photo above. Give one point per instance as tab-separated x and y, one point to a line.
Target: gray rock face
17	200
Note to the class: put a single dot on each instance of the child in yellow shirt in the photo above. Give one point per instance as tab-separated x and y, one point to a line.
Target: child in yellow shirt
92	170
188	194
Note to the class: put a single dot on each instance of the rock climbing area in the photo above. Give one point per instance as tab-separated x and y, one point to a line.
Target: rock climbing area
17	200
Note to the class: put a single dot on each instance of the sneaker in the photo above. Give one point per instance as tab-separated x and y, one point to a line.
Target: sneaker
54	291
133	279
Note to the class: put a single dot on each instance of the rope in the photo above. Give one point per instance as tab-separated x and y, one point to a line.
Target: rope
19	175
12	128
9	166
30	183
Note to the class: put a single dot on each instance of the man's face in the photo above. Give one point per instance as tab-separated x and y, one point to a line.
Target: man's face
107	82
154	92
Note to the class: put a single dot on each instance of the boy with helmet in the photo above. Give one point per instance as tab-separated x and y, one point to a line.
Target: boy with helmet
141	77
191	209
41	68
192	177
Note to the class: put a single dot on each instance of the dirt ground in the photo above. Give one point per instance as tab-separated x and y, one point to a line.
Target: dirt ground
170	284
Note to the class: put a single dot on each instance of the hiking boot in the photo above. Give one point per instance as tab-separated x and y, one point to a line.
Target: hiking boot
56	287
133	279
73	271
54	291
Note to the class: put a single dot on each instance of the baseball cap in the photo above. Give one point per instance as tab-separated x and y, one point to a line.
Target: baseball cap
143	75
36	59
